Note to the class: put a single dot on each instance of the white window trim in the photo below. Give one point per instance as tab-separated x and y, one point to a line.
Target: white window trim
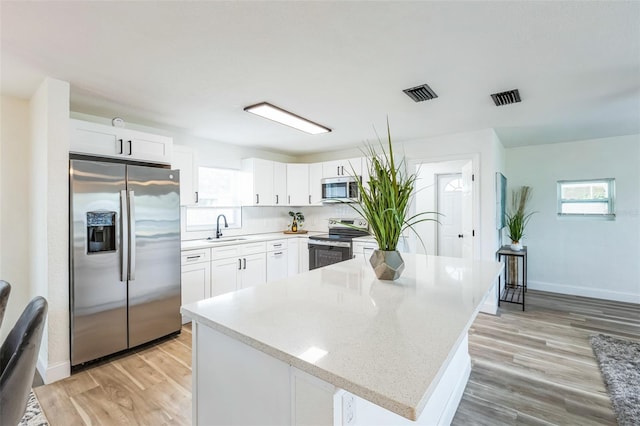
610	201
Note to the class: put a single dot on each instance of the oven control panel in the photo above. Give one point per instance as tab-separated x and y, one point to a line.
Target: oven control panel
348	223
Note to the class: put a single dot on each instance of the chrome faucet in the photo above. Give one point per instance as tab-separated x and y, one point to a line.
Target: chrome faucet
218	232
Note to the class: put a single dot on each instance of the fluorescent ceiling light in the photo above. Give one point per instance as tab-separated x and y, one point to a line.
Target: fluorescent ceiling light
281	116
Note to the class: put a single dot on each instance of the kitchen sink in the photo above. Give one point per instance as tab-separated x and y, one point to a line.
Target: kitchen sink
224	240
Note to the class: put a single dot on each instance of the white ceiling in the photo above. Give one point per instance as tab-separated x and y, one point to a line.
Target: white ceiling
196	65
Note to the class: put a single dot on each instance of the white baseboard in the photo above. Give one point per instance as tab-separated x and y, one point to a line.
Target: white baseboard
585	292
53	373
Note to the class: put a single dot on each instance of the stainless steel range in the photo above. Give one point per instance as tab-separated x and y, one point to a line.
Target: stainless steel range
335	246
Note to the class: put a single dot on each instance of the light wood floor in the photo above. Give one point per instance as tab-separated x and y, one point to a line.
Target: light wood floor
534	367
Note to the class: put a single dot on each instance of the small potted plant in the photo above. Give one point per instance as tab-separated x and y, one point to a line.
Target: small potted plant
385	202
297	220
518	218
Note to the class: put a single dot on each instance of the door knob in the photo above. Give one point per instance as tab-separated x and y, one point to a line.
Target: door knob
460	235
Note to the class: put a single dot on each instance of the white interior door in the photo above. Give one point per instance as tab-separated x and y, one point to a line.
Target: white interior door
450	206
467	211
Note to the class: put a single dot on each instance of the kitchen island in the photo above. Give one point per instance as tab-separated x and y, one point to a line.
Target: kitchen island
337	346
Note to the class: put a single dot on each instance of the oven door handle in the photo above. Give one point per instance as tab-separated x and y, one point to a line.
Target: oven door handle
342	244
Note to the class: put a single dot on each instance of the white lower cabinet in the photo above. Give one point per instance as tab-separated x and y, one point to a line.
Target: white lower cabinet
238	266
196	276
277	260
293	256
364	249
304	255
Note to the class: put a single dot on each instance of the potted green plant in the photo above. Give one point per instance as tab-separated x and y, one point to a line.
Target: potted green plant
384	203
297	220
518	217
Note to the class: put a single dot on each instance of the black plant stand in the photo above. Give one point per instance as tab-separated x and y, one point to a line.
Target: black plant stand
512	292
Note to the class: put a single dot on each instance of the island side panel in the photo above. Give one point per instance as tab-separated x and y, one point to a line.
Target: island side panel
235	384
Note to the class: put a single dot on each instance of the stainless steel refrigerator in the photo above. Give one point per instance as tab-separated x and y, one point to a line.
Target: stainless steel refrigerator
125	256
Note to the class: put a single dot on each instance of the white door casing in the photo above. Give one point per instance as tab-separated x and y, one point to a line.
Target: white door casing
467	210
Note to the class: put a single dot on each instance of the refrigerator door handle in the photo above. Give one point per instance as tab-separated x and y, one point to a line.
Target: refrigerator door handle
124	236
132	237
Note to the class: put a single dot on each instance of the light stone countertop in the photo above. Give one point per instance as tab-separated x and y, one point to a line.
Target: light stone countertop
387	342
241	239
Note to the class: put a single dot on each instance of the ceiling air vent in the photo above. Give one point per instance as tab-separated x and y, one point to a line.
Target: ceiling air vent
420	93
506	98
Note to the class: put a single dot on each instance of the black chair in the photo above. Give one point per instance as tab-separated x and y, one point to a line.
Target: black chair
5	289
18	357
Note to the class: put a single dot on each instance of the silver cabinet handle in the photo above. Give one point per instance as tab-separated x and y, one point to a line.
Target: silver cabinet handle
309	199
278	253
132	236
257	198
193	257
278	245
130	147
289	201
197	197
239	264
124	236
338	170
342	167
245	263
277	199
121	146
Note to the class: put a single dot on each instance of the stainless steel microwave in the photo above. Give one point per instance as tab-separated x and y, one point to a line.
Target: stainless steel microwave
340	189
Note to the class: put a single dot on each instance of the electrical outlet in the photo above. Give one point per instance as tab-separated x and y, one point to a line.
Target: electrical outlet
348	409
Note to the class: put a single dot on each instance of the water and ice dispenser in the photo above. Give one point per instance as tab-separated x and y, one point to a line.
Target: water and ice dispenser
101	231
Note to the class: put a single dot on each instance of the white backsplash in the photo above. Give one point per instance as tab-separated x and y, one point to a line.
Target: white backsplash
260	220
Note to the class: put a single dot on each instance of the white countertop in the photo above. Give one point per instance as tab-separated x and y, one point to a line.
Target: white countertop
240	239
387	342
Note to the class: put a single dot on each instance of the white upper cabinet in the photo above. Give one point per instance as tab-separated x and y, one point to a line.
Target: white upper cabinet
298	185
279	183
184	160
315	182
114	142
342	168
259	174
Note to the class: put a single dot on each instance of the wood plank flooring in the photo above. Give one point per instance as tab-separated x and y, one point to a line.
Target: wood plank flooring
534	367
537	367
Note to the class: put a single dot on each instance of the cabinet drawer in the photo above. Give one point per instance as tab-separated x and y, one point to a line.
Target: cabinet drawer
253	248
225	252
276	245
195	256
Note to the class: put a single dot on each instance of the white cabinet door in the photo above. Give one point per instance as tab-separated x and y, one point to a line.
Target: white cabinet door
184	160
364	249
298	184
293	257
105	141
147	147
304	255
259	190
224	275
95	139
315	183
342	167
196	279
254	270
279	184
277	265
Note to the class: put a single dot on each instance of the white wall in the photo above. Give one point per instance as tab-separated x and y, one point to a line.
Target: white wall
14	207
586	257
49	220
